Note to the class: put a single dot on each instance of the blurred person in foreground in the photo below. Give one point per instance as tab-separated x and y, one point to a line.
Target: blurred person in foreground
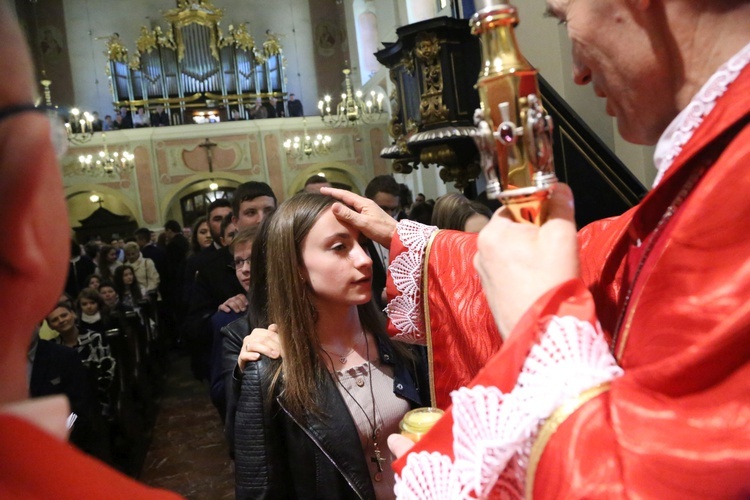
37	461
616	360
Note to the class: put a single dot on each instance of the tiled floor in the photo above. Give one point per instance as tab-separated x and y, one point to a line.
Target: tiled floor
188	453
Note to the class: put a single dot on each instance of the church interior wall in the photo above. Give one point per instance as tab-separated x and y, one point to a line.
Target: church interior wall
319	38
170	159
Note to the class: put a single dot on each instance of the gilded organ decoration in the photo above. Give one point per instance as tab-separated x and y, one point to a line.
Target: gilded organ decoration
147	41
116	51
165	39
272	46
192	56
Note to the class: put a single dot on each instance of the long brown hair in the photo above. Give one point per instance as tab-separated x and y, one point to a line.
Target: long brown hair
290	303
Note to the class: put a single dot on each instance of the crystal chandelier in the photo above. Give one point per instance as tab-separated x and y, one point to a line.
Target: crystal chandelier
105	162
306	146
353	108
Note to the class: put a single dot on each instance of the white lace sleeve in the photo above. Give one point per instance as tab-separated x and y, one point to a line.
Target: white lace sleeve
405	310
493	432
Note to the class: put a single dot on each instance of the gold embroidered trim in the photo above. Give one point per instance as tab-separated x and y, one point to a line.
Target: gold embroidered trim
426	311
551	425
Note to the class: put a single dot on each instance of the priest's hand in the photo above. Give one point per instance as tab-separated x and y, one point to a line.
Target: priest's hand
518	263
260	341
365	215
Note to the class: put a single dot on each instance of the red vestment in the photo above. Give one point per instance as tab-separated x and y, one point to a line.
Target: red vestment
676	422
36	465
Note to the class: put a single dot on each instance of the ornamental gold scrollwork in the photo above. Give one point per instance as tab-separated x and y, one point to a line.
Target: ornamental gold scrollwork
201	12
146	42
272	46
260	58
242	39
239	37
411	126
431	105
395	126
407	62
116	51
165	39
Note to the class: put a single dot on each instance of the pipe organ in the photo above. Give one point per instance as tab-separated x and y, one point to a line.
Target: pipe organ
193	67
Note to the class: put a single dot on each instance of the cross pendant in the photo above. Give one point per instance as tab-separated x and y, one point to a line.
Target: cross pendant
378	460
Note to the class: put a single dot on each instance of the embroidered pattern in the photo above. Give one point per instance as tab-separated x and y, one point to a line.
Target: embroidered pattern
687	122
493	432
405	311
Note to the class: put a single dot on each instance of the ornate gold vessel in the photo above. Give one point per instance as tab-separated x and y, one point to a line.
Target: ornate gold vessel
514	133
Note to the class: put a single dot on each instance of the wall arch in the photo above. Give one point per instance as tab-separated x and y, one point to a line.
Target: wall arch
78	203
169	205
339	172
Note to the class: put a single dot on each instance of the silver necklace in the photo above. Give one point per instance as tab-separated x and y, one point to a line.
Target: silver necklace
342	357
377	457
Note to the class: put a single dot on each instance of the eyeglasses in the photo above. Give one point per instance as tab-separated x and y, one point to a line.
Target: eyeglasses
239	263
58	133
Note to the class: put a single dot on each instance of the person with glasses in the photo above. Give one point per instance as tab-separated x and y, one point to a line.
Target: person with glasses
386	193
214	282
229	312
37	461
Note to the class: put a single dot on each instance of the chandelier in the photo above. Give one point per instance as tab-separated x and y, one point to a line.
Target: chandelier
106	163
79	126
306	146
353	108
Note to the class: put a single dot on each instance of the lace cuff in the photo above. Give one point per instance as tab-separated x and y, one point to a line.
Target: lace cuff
405	310
493	432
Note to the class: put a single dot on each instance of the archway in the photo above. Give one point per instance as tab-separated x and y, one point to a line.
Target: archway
340	175
80	205
186	200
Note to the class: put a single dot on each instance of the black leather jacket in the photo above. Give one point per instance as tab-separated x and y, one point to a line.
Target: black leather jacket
231	343
277	456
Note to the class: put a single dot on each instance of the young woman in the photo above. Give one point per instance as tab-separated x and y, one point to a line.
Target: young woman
93	281
93	311
341	387
107	262
455	211
127	286
200	236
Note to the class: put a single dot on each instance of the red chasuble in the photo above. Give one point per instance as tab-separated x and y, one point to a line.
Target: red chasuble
675	422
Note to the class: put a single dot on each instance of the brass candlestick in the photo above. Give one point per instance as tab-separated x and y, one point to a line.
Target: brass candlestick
514	133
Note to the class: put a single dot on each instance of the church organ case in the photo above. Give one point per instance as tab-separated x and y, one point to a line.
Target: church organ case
193	66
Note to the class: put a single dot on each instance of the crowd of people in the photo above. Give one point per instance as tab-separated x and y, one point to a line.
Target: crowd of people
142	117
610	362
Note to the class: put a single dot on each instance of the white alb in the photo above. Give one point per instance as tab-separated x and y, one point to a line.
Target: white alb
493	432
679	132
405	311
